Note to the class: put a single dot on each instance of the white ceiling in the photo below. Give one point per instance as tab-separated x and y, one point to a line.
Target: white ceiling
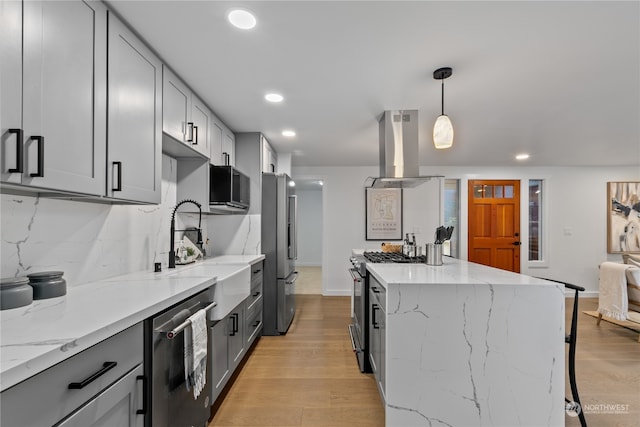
559	80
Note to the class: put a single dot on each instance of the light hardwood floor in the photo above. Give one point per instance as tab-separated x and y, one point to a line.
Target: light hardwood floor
309	280
309	377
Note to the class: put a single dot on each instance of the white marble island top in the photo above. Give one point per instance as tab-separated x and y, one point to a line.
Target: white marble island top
469	345
452	271
37	336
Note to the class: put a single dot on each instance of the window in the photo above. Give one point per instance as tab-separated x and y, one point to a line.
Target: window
535	220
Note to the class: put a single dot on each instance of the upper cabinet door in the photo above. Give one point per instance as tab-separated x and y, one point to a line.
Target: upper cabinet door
199	127
64	86
216	157
176	106
229	147
11	90
135	117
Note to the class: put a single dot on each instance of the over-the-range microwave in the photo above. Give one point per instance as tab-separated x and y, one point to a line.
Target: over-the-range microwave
229	189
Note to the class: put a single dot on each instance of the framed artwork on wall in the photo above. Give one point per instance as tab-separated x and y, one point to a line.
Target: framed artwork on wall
623	217
383	213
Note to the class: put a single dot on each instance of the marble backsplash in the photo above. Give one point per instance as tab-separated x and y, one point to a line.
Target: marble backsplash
92	241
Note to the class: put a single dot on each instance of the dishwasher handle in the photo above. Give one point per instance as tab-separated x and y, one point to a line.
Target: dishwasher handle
182	326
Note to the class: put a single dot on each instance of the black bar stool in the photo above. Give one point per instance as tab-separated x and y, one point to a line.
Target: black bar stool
570	339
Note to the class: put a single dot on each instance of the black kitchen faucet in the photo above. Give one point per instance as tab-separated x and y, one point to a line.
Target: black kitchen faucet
172	254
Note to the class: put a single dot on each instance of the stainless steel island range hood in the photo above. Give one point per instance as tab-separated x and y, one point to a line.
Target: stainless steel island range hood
399	155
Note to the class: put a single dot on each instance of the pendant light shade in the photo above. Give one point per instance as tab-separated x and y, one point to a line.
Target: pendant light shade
443	129
443	132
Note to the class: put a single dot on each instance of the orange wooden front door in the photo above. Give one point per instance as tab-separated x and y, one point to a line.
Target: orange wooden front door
494	223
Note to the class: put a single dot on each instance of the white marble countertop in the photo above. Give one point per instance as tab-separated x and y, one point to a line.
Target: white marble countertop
37	336
452	271
235	259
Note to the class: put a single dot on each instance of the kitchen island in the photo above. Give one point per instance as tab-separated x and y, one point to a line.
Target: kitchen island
464	345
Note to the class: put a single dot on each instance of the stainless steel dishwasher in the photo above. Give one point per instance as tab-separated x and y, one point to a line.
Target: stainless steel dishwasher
172	405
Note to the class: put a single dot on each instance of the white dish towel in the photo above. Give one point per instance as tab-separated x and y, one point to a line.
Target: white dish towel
613	300
195	352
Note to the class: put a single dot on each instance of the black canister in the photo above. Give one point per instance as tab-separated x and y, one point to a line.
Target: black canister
15	292
47	284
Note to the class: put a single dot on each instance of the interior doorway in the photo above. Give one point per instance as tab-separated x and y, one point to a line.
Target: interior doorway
494	223
310	232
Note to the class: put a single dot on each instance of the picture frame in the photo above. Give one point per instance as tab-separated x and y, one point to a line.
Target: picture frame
623	217
383	213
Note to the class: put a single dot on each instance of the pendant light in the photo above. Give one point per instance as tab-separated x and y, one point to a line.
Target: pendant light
443	129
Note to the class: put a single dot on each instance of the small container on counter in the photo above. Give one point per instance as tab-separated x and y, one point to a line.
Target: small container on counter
47	284
433	254
15	292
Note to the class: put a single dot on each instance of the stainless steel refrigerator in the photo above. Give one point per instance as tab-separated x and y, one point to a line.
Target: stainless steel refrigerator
280	246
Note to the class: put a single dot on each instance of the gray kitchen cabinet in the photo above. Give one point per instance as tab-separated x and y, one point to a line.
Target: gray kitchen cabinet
116	406
97	386
377	332
53	115
222	151
227	348
186	119
134	169
253	308
269	157
236	335
219	367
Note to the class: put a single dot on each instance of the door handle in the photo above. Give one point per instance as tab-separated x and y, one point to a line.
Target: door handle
143	411
19	150
374	323
40	171
107	366
118	177
516	243
189	131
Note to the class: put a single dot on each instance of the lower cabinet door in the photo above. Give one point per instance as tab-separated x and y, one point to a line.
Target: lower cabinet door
118	405
219	358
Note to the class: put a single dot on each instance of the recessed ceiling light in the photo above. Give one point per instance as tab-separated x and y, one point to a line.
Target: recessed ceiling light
292	183
273	97
321	183
288	133
242	19
523	156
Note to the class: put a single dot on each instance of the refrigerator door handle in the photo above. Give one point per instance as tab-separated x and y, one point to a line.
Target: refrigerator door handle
293	227
291	279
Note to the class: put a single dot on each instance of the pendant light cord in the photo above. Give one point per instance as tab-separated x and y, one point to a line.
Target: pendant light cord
442	97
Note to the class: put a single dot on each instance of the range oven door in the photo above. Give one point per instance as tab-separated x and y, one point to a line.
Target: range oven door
357	330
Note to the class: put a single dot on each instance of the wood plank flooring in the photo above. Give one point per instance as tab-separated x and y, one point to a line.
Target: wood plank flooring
309	377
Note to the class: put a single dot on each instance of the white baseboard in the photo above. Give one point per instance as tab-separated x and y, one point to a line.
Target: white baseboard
337	293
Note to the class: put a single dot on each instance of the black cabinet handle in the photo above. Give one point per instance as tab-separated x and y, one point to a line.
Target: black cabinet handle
143	411
255	325
375	290
195	132
107	366
256	294
257	271
374	323
234	323
118	176
226	158
40	170
190	131
19	152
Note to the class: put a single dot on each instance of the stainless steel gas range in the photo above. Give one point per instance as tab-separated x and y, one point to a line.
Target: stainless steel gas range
358	329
